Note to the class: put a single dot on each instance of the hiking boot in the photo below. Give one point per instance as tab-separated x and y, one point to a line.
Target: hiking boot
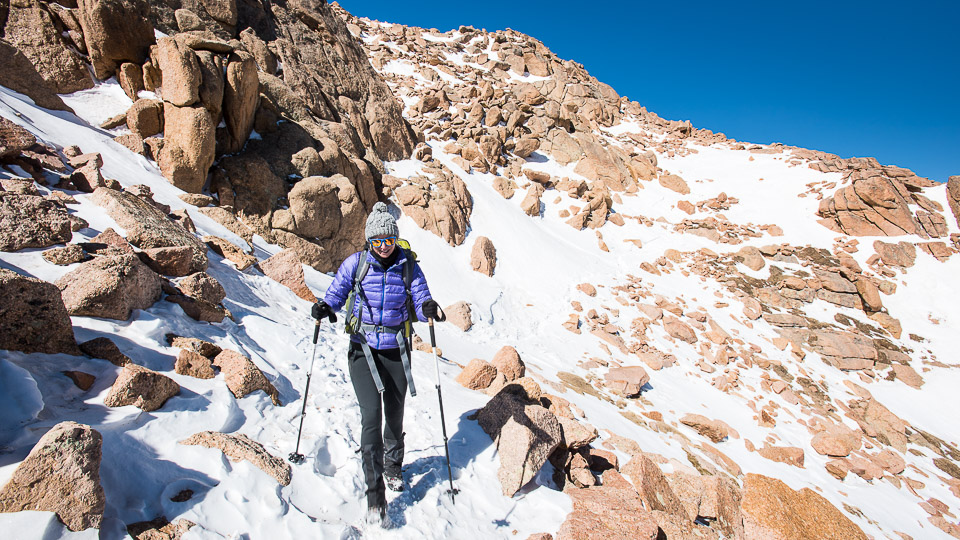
377	515
394	481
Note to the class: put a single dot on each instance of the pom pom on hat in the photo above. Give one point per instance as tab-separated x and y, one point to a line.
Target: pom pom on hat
380	222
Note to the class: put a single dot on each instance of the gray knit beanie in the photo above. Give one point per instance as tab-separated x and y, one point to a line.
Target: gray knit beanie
381	222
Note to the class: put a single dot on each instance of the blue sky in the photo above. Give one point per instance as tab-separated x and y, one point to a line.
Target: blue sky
878	79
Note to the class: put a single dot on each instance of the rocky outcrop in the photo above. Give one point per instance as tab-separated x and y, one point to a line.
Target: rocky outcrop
33	317
285	268
878	205
19	75
30	221
243	376
240	99
653	488
483	256
114	32
442	206
32	29
61	475
239	447
772	510
612	510
953	197
142	388
109	287
147	227
525	434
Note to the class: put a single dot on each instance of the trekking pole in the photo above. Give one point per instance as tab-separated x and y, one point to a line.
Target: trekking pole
443	424
296	457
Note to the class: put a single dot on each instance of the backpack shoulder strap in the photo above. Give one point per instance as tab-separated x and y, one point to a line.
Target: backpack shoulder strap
352	325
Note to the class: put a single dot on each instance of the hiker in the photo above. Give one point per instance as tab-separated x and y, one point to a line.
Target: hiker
384	303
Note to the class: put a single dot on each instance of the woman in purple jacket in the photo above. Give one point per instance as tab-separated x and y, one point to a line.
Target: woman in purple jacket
379	354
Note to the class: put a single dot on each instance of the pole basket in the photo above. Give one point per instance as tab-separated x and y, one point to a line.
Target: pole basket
296	458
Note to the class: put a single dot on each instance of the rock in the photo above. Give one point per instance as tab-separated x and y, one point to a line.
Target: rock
30	27
679	329
147	227
525	436
204	348
265	58
81	380
507	361
890	428
33	317
483	257
772	510
239	447
145	117
750	257
181	72
286	269
887	322
953	196
30	221
870	206
845	350
674	526
130	77
577	435
197	199
240	99
715	430
627	381
838	468
791	455
176	261
232	253
104	349
194	364
652	485
605	512
109	287
19	74
477	375
459	315
902	254
159	528
199	310
526	146
674	183
203	287
837	441
908	375
114	32
587	289
142	388
531	202
189	146
870	295
61	474
243	376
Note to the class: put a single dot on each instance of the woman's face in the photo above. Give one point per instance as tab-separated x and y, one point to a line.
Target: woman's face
383	250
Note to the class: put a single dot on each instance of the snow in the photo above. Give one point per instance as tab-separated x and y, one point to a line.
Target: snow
541	260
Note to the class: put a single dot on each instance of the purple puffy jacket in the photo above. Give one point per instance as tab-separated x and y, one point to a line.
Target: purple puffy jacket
384	300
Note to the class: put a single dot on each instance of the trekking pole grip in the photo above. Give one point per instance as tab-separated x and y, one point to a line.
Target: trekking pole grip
316	331
433	335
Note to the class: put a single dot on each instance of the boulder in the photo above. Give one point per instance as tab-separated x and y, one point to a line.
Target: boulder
460	315
237	447
525	435
772	510
243	376
194	364
679	330
160	529
627	381
531	202
203	348
143	388
483	257
871	206
65	256
477	375
147	227
577	435
30	221
902	254
203	287
526	146
953	196
19	74
199	310
110	287
240	99
176	261
836	441
791	455
908	375
652	485
715	430
61	474
33	317
286	269
507	361
145	117
229	251
181	72
115	31
189	146
612	510
30	27
212	83
674	183
104	349
890	428
750	257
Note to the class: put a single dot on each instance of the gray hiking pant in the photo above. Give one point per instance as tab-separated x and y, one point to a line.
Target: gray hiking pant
381	443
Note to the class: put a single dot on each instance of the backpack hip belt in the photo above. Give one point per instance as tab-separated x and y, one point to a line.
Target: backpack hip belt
404	358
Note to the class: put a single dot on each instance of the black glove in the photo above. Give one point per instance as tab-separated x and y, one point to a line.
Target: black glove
321	310
430	309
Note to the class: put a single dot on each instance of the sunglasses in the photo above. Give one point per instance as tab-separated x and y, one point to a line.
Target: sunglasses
377	242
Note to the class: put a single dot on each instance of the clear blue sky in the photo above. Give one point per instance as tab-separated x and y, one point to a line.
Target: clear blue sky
854	78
